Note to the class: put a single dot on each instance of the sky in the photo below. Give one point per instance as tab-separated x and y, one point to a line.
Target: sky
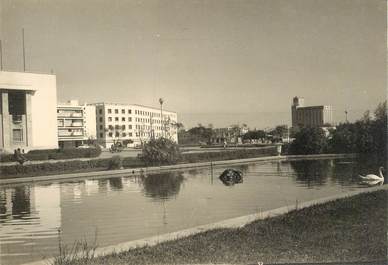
213	61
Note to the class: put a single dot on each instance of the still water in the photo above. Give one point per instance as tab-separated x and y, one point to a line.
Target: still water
114	210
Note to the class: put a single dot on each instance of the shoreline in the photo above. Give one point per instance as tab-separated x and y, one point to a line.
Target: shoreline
156	169
232	223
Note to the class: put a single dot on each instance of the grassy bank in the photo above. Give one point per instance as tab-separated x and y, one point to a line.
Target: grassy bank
350	229
78	166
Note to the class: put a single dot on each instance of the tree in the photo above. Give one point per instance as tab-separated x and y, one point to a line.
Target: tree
279	131
255	135
160	151
365	136
309	140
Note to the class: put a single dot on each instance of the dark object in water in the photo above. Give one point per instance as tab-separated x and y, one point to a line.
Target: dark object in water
231	176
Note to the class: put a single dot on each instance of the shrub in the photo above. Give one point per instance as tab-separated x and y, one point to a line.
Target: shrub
309	140
227	155
160	151
115	162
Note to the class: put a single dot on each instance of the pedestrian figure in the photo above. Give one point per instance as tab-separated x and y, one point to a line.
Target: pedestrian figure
19	157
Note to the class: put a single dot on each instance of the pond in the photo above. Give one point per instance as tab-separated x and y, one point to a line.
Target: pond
34	217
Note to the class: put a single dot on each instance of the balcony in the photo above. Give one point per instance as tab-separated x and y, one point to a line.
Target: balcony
76	115
17	119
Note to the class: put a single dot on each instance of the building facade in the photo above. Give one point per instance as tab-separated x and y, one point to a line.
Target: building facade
27	111
76	124
133	124
313	116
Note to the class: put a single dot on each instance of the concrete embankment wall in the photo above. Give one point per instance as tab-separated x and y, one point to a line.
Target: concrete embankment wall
145	170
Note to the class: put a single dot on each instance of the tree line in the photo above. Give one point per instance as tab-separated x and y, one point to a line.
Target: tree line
368	135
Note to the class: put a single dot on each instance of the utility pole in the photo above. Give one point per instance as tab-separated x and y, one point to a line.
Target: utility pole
346	116
1	56
24	52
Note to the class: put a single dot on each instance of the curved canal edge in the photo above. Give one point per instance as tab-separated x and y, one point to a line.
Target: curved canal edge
145	170
237	222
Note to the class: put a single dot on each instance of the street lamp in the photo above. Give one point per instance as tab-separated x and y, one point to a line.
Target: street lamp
161	101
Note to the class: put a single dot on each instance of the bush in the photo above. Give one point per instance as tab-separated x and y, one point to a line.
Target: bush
227	155
115	162
160	151
309	140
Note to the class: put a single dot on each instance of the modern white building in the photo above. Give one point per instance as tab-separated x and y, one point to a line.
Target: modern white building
319	116
28	103
133	124
76	123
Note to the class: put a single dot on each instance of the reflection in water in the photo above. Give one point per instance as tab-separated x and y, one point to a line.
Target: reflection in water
162	186
116	183
313	172
21	204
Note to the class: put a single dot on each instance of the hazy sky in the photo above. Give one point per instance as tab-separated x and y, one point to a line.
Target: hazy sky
213	61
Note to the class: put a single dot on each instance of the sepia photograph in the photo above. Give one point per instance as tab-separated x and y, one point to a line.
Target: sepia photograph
193	132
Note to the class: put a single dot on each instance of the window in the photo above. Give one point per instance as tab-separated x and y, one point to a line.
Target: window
117	127
116	111
130	134
101	127
123	111
123	119
100	119
135	111
123	127
130	127
17	135
129	111
129	119
110	134
124	134
100	111
110	127
109	111
101	135
116	118
117	134
109	118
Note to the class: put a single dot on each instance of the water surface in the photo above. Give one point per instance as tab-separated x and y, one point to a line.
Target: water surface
34	218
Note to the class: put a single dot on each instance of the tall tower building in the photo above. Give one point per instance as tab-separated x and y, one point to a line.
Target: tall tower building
301	116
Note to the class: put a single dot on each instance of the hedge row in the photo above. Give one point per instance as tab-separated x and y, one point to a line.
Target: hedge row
127	162
55	154
63	167
227	155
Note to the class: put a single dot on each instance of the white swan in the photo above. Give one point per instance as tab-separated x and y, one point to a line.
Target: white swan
372	177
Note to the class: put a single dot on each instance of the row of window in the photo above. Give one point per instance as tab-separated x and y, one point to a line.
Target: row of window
137	112
123	127
138	134
129	119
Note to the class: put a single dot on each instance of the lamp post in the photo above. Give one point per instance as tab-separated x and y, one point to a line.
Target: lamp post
161	101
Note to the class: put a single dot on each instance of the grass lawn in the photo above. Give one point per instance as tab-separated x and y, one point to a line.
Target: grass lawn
350	229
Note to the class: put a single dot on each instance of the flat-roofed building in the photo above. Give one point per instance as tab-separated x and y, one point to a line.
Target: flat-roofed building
28	104
76	123
314	116
132	123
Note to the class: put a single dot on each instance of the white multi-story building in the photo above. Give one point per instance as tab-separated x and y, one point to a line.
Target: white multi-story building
28	104
133	124
76	123
316	116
